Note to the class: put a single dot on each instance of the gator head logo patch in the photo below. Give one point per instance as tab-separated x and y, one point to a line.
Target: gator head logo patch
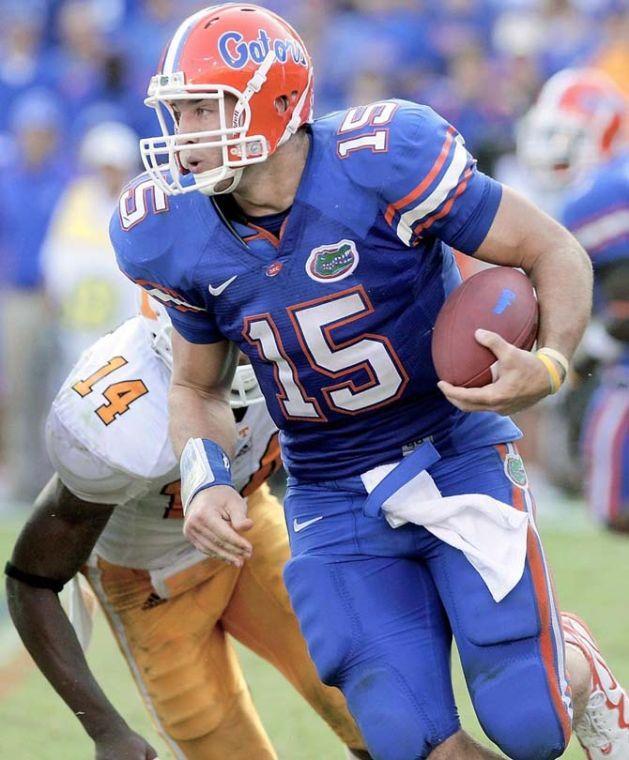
514	469
330	263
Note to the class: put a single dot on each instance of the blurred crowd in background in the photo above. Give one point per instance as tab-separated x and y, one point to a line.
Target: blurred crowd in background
73	75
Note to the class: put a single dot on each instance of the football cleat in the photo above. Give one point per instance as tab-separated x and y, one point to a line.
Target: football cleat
603	730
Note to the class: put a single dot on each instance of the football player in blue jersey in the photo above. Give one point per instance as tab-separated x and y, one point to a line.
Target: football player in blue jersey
321	249
577	141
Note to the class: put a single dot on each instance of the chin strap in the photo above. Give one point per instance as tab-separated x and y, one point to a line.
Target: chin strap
253	85
235	175
295	119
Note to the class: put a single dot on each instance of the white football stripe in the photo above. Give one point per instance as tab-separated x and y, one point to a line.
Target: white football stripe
161	296
183	28
603	230
448	182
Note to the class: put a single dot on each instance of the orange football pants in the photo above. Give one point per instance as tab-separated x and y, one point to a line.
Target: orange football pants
183	662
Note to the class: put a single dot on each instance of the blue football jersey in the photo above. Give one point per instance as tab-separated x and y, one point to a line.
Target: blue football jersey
597	212
337	313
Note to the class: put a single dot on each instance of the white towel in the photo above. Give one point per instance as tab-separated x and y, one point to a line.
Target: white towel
81	609
491	534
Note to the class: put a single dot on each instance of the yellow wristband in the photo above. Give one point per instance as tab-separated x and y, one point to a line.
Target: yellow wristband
557	356
553	372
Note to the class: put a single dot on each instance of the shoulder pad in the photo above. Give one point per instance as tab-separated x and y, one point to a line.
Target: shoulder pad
157	241
140	201
373	140
115	403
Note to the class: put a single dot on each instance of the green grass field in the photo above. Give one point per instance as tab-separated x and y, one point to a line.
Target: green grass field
591	570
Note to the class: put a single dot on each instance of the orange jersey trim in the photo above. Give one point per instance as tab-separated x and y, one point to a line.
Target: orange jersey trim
423	185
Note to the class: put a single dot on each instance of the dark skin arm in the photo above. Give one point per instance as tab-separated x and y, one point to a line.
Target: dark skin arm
55	542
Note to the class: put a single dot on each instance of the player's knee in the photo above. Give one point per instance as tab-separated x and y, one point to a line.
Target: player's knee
393	725
324	617
224	730
518	717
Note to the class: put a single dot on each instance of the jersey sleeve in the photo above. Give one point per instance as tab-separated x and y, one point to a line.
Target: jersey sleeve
600	222
149	251
192	328
431	184
81	471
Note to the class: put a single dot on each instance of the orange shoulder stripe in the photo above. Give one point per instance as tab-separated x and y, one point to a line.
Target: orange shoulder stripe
417	191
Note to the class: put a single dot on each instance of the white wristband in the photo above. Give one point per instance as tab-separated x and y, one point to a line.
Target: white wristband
203	464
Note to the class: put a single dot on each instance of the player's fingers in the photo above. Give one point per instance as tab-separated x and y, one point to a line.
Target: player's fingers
485	396
206	543
494	342
489	398
206	537
217	525
466	407
223	532
237	515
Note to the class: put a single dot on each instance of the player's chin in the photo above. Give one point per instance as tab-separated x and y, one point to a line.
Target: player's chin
222	186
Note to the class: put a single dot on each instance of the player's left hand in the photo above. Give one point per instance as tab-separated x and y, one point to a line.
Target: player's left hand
520	380
126	744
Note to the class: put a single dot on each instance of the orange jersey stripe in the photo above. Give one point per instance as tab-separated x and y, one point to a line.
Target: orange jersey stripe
417	191
430	220
538	573
262	233
535	560
537	566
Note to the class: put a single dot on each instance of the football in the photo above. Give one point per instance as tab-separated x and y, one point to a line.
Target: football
500	299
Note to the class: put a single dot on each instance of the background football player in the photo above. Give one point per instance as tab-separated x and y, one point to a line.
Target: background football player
114	511
575	141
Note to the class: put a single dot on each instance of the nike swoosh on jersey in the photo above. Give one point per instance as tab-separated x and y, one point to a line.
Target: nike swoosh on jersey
218	290
297	526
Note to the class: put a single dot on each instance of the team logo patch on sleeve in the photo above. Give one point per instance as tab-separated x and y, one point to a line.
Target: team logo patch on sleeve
514	469
330	263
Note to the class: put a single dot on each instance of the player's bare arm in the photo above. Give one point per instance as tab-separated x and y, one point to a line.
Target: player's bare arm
199	409
55	542
523	236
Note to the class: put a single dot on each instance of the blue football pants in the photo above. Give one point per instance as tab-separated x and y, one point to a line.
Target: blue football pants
378	607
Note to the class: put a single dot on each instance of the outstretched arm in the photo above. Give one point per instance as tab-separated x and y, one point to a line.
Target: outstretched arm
55	542
199	408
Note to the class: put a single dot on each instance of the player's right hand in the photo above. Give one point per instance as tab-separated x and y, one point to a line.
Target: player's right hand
214	520
124	746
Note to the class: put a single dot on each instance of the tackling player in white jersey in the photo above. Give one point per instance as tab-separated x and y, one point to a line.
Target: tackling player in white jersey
113	510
